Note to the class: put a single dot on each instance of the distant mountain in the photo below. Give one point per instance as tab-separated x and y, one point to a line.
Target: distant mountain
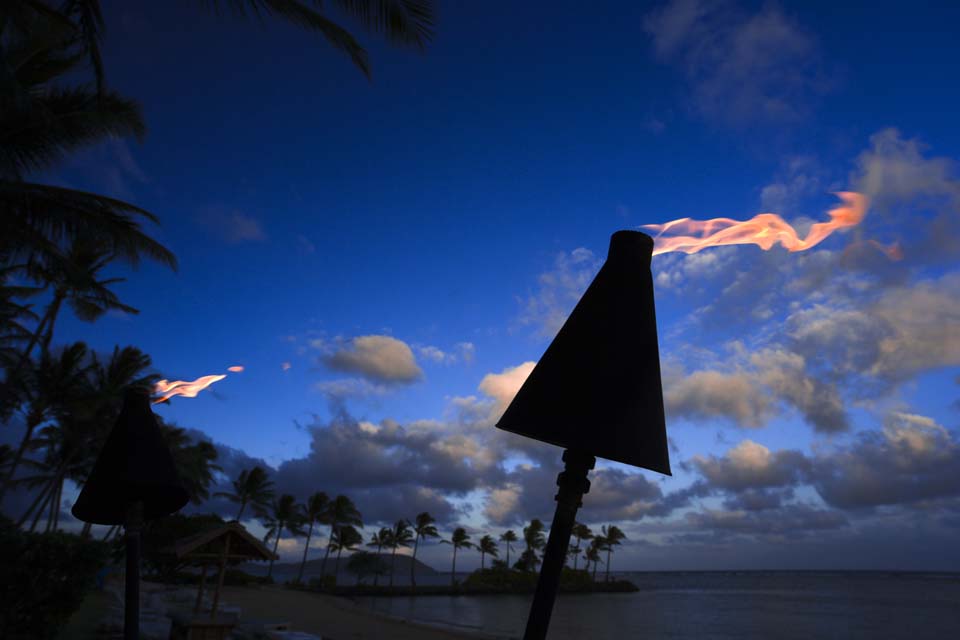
288	570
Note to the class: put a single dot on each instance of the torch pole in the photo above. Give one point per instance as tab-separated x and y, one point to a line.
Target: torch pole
131	596
573	485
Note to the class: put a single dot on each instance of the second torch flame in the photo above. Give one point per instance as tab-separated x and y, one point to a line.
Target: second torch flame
763	230
188	388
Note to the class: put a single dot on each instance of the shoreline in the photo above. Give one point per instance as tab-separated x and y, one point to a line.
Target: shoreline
334	617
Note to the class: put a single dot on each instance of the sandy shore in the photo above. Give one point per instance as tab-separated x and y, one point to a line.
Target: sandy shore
330	617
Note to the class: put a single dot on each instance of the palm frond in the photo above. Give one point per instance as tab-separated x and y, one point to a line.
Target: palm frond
300	15
406	22
40	133
38	217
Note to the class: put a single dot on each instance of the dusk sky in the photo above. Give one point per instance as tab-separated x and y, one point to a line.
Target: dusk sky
388	258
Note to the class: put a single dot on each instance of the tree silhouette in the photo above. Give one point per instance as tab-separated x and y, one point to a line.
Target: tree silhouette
486	546
423	528
508	536
345	537
459	540
313	512
611	536
581	532
252	487
284	513
400	536
342	512
380	539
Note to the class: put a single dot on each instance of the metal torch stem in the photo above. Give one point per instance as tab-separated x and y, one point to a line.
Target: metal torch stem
573	485
131	596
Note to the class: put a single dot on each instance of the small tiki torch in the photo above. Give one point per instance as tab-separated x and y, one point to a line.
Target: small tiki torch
133	481
595	392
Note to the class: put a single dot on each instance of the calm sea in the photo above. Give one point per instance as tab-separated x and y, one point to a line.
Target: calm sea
681	605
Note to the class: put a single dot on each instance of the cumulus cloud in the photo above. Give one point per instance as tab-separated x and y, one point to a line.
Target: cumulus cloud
461	352
791	521
380	358
912	459
503	386
559	290
343	388
905	331
819	402
750	465
741	66
712	394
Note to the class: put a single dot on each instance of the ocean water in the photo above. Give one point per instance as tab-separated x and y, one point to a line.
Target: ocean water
741	605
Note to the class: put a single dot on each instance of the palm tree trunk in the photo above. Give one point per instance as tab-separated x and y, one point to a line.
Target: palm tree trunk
52	312
481	561
453	571
58	501
36	504
576	556
85	532
276	543
8	481
323	565
595	570
34	339
393	564
508	555
40	510
243	505
336	565
609	551
413	562
376	576
306	547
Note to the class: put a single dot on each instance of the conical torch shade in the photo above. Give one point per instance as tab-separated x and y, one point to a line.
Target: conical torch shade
597	387
134	465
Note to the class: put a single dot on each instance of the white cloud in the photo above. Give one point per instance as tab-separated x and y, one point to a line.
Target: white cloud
559	290
378	357
742	67
503	386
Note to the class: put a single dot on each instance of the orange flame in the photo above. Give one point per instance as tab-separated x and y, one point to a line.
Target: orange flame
235	369
187	389
763	230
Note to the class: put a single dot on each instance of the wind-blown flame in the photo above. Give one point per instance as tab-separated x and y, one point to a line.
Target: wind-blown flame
187	389
235	368
763	230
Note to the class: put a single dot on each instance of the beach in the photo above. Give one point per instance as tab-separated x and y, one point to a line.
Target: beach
331	617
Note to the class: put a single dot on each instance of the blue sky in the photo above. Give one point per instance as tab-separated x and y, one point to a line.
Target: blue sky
407	243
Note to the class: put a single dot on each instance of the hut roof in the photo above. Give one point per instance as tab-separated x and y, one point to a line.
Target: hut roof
209	545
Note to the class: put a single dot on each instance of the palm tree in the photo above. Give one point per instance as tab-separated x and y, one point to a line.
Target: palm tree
252	487
380	539
313	512
592	554
486	546
41	122
460	540
342	513
534	540
508	536
195	461
72	441
403	22
423	527
48	387
284	514
581	532
612	536
345	537
400	536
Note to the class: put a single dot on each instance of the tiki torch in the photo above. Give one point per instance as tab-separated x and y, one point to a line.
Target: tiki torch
596	391
133	481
